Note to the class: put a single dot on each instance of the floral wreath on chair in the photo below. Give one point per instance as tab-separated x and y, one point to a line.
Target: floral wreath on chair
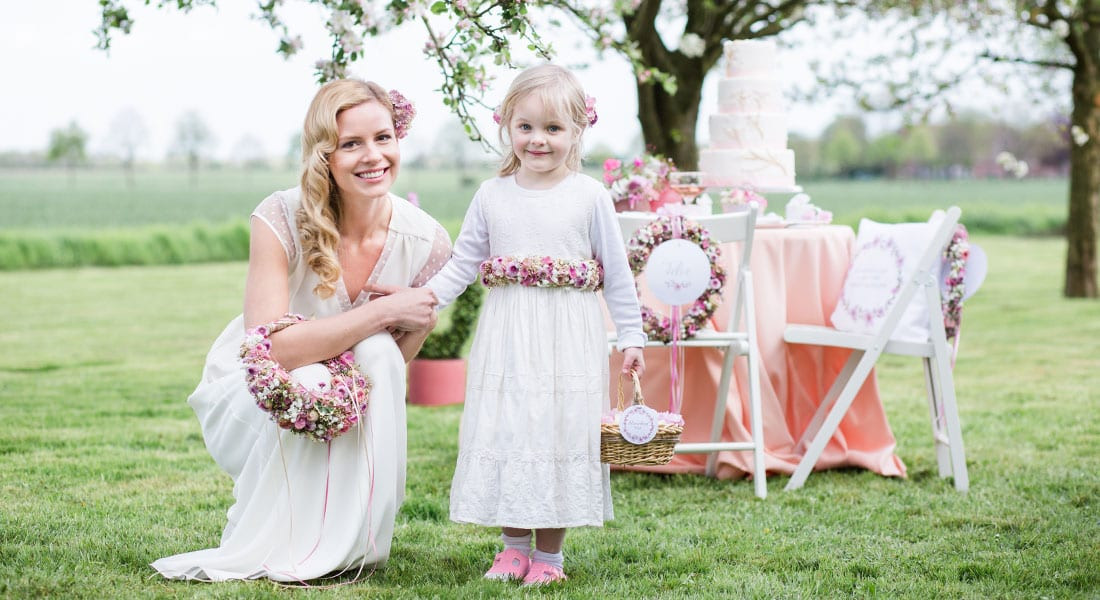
320	415
955	254
641	245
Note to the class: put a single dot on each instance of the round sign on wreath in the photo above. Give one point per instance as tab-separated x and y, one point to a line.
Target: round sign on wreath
684	268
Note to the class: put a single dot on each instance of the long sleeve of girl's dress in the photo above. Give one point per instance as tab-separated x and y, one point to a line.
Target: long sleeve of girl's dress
470	249
619	291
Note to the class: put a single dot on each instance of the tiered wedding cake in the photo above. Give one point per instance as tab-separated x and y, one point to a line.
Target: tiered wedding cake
748	136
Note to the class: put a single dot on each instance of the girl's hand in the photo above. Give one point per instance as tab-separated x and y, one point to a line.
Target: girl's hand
633	360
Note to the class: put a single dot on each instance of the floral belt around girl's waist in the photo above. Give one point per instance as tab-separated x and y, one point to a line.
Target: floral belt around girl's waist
542	271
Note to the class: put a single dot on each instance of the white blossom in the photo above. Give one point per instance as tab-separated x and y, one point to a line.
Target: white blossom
293	44
1020	171
1006	160
692	46
340	21
1060	28
351	42
1079	136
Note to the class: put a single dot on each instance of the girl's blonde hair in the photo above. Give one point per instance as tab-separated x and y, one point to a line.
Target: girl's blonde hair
319	214
561	93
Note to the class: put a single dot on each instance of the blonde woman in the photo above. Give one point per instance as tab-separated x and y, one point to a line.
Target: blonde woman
349	255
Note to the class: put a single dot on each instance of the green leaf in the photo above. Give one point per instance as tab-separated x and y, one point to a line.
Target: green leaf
439	8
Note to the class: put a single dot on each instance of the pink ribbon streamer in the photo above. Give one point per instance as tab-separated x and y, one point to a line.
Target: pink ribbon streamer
370	541
675	398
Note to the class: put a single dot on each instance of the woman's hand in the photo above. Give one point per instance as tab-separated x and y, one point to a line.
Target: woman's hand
633	360
405	309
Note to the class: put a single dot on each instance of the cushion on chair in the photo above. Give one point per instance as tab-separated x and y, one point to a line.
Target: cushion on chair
885	257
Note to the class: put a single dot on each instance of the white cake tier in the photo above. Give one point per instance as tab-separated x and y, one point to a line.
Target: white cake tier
749	168
751	130
749	94
749	57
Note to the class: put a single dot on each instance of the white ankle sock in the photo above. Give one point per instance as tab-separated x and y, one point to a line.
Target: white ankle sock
557	558
521	543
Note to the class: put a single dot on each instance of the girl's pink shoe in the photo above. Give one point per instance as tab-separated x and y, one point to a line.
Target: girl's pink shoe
509	564
541	573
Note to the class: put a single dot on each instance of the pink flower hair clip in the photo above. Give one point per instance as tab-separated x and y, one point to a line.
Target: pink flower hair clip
590	110
403	113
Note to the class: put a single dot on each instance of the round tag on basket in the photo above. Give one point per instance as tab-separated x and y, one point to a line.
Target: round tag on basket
677	272
638	424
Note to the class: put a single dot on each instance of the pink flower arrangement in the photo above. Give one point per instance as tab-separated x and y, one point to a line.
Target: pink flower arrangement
320	415
403	113
641	245
590	110
638	181
542	271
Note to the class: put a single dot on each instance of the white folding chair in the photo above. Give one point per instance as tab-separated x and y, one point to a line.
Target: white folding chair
738	339
866	349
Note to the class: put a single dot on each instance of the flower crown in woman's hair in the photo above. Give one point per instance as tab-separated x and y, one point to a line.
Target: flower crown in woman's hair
589	111
403	113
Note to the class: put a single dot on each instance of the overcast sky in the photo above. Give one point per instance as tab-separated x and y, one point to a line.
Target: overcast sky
222	63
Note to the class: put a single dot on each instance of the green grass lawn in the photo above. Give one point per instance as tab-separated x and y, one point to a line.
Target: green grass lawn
37	200
103	469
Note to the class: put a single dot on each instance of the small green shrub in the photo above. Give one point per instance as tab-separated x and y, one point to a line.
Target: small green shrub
448	342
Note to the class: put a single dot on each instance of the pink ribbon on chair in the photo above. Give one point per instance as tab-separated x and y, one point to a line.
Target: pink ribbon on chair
675	398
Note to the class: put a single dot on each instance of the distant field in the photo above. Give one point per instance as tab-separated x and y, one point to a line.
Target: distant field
101	199
36	200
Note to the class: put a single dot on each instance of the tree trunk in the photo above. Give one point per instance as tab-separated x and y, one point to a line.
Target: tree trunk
668	122
1084	187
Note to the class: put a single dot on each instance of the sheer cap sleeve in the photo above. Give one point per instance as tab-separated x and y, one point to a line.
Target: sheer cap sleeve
273	211
471	247
441	251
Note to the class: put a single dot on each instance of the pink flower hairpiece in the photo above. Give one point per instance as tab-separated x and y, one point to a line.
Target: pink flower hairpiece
403	113
590	110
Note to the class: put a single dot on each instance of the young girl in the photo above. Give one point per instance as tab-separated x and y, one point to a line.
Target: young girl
529	443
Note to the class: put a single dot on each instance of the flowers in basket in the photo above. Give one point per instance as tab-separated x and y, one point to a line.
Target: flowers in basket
638	184
615	417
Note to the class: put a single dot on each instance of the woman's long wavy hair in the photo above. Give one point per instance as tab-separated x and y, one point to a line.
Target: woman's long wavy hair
561	93
319	214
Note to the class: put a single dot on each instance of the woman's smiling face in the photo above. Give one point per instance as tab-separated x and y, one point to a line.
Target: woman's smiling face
367	156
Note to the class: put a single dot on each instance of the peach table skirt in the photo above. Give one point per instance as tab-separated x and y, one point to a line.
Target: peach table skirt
798	274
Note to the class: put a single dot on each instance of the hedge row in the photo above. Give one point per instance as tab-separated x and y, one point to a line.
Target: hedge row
160	245
166	245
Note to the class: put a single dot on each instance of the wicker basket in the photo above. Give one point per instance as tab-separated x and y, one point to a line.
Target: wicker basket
614	449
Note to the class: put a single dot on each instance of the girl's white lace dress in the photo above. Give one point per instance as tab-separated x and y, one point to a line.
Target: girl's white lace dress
304	509
537	380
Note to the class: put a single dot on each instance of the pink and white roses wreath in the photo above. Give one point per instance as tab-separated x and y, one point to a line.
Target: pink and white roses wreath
321	414
638	249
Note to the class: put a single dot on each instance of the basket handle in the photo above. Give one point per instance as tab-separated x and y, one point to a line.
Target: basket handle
637	399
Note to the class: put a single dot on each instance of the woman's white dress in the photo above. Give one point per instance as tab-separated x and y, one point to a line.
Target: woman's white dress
529	442
304	509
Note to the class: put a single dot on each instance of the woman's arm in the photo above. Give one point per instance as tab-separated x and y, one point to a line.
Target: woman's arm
267	297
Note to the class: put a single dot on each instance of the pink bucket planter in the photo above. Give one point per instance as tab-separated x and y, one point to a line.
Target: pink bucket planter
437	382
